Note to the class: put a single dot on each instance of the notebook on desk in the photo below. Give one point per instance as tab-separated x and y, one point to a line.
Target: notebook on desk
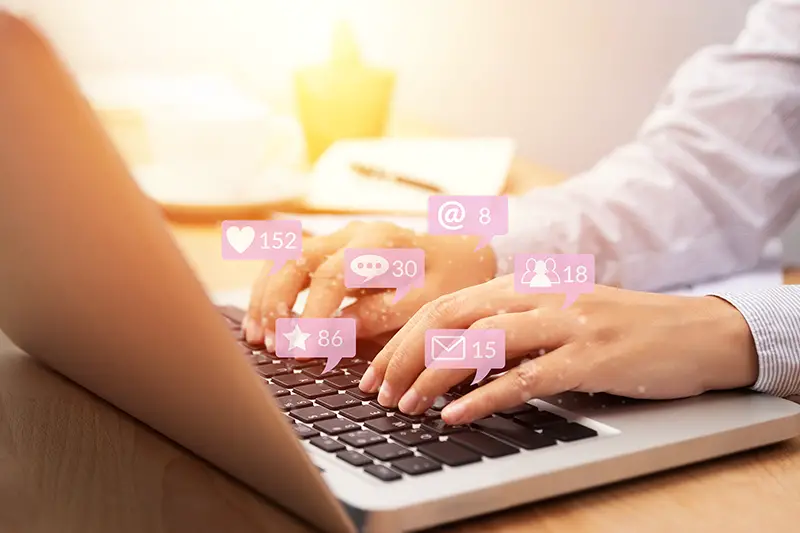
406	171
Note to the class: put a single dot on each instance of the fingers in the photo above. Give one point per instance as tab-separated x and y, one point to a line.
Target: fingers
280	295
273	296
252	323
556	372
377	313
402	360
540	329
327	289
408	337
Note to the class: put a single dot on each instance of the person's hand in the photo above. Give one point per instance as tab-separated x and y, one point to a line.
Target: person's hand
627	343
451	263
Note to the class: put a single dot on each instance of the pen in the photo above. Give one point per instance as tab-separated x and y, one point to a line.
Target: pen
377	173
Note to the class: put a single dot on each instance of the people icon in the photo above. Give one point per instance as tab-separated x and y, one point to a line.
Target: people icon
543	274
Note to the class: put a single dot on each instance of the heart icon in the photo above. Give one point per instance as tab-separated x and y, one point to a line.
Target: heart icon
240	239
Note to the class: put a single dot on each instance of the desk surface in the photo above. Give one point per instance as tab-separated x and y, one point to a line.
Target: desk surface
71	463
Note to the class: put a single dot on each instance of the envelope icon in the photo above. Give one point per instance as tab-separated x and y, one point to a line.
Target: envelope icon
448	348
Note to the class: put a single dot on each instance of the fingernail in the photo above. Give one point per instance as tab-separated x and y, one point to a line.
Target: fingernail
255	332
455	413
386	396
269	340
410	401
369	381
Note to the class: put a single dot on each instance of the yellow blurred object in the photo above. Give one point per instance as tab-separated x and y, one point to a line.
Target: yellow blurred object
344	99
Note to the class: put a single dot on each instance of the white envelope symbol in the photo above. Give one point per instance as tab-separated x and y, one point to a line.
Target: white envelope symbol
448	348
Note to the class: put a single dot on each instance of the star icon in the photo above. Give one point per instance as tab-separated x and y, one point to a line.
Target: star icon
297	339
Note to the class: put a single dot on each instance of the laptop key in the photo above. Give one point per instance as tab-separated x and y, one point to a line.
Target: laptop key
438	426
358	369
388	451
418	419
416	465
291	381
360	439
336	426
387	424
354	458
317	372
449	453
538	419
260	358
293	401
314	390
347	363
415	437
343	382
276	390
327	444
568	431
361	395
361	413
483	444
384	473
513	433
441	402
304	432
272	370
248	348
518	410
294	364
374	403
338	401
312	414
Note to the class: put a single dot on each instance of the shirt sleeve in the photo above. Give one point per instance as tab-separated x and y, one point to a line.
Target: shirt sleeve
774	319
713	174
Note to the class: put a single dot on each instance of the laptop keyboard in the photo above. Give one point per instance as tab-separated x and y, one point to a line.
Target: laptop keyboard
330	412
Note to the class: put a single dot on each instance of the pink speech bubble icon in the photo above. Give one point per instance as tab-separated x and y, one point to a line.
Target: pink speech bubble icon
571	274
384	268
485	216
278	241
481	349
333	339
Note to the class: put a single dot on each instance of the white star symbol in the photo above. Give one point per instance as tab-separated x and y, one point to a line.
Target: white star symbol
297	339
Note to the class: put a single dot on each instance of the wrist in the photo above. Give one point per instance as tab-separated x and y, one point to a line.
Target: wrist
734	360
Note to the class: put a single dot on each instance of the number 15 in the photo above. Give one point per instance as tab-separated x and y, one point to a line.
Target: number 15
488	354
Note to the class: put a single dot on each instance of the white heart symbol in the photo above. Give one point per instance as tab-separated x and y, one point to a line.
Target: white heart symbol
240	238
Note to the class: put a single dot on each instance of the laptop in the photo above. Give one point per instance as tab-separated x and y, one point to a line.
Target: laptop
93	286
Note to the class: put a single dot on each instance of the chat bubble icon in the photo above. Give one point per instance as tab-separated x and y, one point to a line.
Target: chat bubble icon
570	274
278	241
332	339
482	350
385	268
483	216
369	266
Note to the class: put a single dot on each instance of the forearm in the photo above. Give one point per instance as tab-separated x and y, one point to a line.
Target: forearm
713	174
774	320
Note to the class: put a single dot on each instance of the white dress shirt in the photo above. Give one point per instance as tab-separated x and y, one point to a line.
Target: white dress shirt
713	174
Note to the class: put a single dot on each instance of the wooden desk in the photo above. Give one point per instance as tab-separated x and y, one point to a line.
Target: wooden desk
69	462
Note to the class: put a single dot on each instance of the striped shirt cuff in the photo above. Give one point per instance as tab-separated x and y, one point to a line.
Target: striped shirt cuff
774	319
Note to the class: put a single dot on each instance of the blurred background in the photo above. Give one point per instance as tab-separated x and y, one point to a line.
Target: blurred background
557	83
